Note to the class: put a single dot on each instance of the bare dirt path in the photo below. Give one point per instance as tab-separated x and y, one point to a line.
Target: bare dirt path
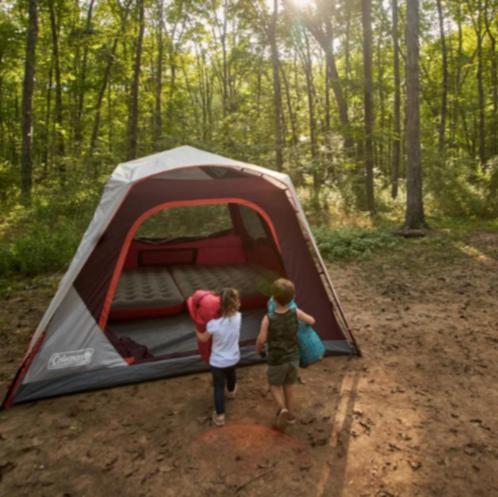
417	415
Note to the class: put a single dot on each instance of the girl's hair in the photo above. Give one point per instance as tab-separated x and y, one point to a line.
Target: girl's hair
230	301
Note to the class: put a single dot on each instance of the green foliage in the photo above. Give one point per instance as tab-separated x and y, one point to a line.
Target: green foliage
353	242
44	236
469	191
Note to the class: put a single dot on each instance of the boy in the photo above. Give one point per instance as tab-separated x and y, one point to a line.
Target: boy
280	331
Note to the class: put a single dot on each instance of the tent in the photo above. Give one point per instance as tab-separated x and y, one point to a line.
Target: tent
166	225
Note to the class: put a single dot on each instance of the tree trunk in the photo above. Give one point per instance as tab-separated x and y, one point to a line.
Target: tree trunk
480	87
78	134
494	78
444	89
366	17
45	155
27	103
133	112
59	131
414	217
159	76
105	82
277	98
396	157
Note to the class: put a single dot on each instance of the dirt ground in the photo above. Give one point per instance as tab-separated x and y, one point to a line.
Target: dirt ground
416	415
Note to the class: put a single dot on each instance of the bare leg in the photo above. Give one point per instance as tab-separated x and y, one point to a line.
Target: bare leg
289	397
278	394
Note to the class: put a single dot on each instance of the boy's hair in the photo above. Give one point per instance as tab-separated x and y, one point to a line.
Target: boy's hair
283	291
230	301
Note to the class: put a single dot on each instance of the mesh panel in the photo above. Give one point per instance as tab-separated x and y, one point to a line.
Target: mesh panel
252	223
186	222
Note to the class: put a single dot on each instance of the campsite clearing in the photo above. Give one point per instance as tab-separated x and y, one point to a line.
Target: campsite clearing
415	416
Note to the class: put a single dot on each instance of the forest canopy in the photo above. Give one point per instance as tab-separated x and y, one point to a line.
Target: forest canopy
323	90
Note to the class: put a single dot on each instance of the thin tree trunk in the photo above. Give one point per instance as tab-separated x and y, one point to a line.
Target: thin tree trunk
366	17
277	98
480	86
159	76
105	82
444	89
494	78
78	135
27	103
414	218
59	131
396	156
133	112
325	38
46	126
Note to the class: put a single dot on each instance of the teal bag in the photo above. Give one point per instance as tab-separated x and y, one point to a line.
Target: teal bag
311	348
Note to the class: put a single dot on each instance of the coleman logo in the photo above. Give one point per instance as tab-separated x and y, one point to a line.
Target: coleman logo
70	359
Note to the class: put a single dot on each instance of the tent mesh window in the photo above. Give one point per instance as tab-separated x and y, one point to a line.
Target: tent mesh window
252	223
186	222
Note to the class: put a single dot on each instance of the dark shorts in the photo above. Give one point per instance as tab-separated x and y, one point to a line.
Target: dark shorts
283	374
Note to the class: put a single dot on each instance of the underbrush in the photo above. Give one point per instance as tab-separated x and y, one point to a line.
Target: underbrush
44	236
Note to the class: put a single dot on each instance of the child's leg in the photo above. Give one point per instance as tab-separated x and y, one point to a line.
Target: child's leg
231	378
219	389
278	394
289	396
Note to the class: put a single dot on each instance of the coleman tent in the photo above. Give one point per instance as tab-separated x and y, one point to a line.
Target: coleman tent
167	225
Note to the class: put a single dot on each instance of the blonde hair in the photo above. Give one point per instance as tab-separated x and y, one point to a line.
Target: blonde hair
230	301
283	291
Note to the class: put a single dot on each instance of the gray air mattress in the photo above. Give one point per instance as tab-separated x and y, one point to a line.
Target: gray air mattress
251	280
146	288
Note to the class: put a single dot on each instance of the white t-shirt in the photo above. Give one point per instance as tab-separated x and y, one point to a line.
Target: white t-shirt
225	351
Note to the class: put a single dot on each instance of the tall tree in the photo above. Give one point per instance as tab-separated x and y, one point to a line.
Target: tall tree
133	110
366	17
277	92
396	154
111	57
414	215
27	102
59	125
444	82
320	26
159	76
490	20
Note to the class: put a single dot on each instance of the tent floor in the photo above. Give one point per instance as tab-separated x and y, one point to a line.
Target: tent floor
175	335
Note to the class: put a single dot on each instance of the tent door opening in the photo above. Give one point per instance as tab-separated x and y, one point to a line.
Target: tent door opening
179	250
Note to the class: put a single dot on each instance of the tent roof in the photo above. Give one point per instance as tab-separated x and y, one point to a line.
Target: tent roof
184	156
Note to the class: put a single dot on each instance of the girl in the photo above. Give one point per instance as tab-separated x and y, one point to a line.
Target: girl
225	351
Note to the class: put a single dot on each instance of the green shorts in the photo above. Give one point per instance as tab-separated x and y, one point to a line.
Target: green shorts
283	374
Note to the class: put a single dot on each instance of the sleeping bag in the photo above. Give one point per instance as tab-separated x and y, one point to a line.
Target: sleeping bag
203	305
311	348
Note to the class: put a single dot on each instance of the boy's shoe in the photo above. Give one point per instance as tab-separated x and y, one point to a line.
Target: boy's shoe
231	395
291	419
282	419
218	419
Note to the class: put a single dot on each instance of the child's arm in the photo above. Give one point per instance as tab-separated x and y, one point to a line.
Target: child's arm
302	316
263	335
203	337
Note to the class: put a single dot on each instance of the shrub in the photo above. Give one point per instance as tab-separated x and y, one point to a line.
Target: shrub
355	242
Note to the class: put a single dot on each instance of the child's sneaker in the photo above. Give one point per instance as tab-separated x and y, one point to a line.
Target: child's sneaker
282	419
218	419
291	419
231	395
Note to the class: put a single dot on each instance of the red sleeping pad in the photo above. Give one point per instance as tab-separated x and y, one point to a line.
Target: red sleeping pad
203	305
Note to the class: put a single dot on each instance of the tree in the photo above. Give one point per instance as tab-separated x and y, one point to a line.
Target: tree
366	16
133	112
414	214
27	102
396	155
